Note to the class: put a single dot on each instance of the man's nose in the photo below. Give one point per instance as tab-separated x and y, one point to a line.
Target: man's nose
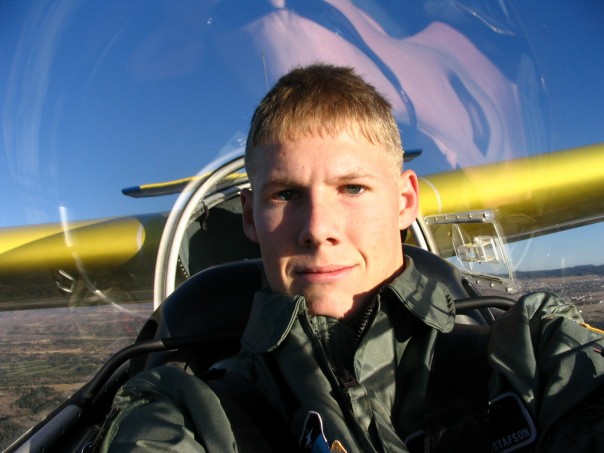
321	222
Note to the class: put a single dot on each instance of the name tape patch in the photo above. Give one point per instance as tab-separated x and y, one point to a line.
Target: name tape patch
510	424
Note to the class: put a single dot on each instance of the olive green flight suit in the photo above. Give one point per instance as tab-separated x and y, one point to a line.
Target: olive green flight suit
369	382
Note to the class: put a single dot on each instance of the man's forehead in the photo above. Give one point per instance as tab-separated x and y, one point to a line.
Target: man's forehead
343	157
281	165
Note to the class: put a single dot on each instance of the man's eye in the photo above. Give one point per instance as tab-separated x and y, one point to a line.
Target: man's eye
284	195
354	189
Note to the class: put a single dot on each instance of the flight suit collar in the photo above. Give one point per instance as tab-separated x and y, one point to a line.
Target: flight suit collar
271	318
273	315
429	300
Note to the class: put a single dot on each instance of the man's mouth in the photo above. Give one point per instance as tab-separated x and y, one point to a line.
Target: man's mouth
318	274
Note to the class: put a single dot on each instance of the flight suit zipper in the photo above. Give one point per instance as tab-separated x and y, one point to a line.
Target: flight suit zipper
341	388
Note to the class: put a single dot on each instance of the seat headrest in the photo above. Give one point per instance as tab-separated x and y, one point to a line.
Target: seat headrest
216	299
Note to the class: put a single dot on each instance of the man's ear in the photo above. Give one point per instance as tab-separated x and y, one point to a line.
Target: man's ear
249	226
408	199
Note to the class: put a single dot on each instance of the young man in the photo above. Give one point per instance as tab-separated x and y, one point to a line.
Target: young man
347	330
328	198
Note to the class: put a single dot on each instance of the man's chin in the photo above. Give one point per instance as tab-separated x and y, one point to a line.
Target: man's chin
335	305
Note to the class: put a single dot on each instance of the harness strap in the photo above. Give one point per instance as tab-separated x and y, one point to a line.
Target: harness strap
457	400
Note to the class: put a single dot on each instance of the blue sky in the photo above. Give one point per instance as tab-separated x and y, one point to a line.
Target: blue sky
98	96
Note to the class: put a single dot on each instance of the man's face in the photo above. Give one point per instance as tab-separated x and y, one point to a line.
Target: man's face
327	214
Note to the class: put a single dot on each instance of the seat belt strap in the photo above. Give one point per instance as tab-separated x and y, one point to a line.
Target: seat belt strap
256	424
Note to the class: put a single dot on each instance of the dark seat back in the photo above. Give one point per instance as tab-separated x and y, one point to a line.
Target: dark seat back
213	304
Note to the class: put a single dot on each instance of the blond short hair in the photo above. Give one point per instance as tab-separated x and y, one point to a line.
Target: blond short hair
324	100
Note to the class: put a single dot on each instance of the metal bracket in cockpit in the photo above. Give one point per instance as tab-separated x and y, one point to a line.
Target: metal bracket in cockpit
474	242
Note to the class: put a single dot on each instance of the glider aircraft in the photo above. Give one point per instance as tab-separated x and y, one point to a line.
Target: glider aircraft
508	143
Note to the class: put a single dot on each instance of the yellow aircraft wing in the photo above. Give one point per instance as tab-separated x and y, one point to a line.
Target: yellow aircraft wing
159	189
533	196
108	242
